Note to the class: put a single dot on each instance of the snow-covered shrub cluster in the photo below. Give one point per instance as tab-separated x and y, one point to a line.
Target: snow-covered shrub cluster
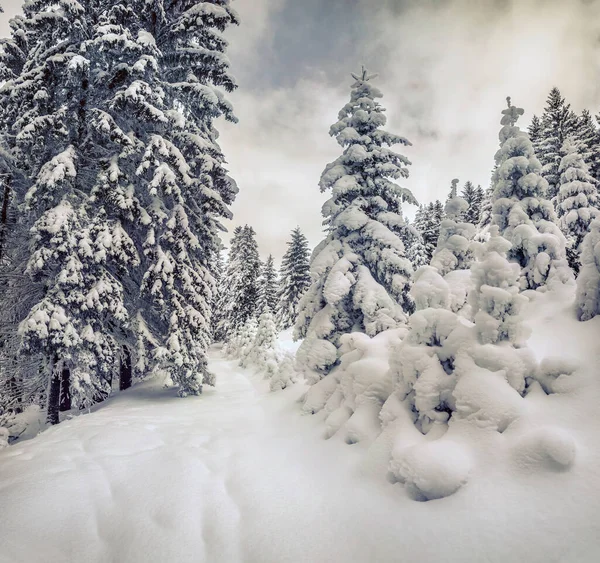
255	345
460	365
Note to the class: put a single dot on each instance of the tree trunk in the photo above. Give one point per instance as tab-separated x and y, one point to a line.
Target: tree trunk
125	372
4	215
53	400
65	389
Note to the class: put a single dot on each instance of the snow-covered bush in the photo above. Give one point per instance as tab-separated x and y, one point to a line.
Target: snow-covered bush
360	274
525	218
354	392
256	347
246	340
588	281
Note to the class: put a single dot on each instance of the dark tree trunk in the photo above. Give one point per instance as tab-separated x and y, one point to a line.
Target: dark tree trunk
125	372
4	215
65	389
53	397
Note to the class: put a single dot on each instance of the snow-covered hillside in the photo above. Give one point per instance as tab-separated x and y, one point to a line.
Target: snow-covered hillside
238	474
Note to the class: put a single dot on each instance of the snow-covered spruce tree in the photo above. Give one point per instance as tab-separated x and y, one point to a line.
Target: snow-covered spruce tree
414	245
588	139
294	279
588	281
474	198
522	213
453	256
74	248
269	286
576	201
219	298
243	277
557	122
535	133
164	68
428	221
360	275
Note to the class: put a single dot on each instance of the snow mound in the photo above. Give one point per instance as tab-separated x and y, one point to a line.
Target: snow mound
546	448
432	470
487	399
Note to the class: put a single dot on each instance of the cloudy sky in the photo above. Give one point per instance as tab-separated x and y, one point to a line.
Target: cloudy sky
445	68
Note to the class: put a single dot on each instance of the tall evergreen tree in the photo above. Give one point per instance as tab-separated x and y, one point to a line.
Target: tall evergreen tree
360	275
429	219
294	278
486	208
576	201
588	142
525	218
474	198
74	251
219	300
557	123
125	184
535	134
243	278
162	64
414	245
269	286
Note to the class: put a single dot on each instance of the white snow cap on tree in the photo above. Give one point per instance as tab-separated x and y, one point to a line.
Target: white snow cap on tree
577	200
360	275
524	217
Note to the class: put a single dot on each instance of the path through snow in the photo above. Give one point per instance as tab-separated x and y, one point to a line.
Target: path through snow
237	475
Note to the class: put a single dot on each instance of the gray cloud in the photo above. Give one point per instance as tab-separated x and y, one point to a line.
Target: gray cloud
446	67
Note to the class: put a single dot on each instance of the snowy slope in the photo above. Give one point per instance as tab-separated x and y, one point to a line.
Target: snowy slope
238	474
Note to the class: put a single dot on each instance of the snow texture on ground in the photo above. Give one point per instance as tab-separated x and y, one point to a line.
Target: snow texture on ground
238	475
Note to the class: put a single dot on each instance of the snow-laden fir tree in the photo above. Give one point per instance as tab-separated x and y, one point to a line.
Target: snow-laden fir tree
557	122
521	211
76	252
294	279
164	69
414	245
243	278
453	256
588	281
269	286
535	133
360	275
588	143
474	198
576	201
428	221
219	299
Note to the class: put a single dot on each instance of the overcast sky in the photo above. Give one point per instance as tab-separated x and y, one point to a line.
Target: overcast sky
445	68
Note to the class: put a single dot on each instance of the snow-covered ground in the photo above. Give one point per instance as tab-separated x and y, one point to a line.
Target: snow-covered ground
239	475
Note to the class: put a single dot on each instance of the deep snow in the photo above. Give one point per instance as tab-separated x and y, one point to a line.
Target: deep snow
238	475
